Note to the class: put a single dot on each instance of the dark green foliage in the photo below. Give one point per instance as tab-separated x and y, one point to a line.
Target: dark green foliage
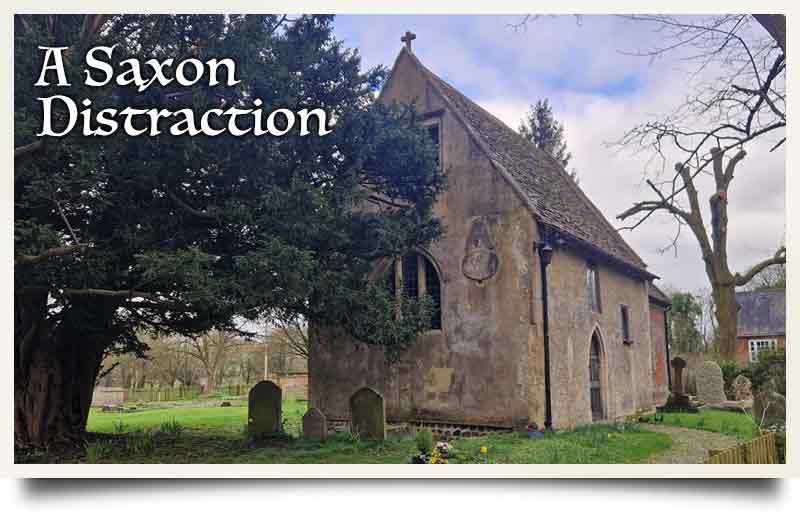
730	370
684	315
542	129
768	372
424	439
180	234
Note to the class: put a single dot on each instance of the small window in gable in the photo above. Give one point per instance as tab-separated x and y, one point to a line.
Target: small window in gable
415	276
435	134
593	288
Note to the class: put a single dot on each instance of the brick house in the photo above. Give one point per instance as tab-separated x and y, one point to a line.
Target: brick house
762	324
543	312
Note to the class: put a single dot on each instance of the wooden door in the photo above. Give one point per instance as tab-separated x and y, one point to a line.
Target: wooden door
595	382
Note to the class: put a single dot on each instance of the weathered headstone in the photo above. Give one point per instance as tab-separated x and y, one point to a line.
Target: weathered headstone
367	414
710	386
742	388
770	407
314	424
677	377
264	409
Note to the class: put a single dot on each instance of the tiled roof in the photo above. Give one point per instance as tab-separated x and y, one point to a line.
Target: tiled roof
658	295
761	313
549	191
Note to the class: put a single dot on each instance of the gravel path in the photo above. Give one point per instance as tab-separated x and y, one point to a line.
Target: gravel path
689	446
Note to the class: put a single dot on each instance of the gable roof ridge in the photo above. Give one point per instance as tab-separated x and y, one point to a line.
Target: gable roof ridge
470	130
533	176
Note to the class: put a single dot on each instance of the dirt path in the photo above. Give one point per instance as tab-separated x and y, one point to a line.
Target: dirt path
689	446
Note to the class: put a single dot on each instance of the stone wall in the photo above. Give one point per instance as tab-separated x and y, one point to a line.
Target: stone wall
485	365
626	368
109	396
658	339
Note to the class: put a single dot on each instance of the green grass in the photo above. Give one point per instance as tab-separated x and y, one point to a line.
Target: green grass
216	435
725	422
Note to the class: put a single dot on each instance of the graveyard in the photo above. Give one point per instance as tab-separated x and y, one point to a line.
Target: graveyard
265	428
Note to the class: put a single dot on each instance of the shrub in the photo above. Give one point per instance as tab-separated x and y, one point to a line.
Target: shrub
730	370
424	439
97	451
769	372
141	442
172	427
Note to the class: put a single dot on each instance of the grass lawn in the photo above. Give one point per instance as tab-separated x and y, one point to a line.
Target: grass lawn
215	435
726	422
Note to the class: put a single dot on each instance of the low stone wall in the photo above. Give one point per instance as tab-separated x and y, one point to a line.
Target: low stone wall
109	396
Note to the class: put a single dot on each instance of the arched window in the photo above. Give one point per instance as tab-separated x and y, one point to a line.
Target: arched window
415	275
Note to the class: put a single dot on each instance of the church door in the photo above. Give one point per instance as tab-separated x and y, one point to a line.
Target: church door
595	391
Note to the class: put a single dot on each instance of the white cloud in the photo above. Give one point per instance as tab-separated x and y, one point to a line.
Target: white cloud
576	66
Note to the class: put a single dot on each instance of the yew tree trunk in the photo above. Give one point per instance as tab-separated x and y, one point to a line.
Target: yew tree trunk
56	366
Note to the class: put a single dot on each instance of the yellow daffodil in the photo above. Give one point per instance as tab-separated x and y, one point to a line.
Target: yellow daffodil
484	449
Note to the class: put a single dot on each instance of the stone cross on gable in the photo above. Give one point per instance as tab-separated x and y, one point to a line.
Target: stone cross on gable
407	38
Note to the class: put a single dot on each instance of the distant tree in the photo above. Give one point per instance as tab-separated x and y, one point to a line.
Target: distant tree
773	277
541	128
212	350
684	318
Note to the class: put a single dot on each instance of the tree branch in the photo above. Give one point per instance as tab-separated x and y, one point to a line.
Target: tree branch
778	258
59	251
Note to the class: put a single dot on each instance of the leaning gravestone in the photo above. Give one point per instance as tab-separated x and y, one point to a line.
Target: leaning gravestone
367	414
264	409
710	386
770	407
315	425
742	388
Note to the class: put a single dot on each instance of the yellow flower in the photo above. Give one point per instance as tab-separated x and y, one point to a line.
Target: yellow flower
484	449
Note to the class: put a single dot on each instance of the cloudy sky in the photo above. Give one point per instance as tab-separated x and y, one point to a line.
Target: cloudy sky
598	92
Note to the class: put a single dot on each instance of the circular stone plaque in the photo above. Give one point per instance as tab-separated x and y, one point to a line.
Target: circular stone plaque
480	264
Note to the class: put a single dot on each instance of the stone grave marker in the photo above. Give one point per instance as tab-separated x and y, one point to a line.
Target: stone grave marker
710	386
770	407
742	388
314	424
367	414
264	409
677	377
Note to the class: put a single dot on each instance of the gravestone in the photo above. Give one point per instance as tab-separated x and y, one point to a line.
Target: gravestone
710	386
677	377
742	388
770	407
367	414
314	424
264	409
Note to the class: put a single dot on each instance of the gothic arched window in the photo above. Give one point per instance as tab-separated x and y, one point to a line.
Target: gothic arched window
416	276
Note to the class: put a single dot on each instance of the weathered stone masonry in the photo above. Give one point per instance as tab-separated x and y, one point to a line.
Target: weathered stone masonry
485	366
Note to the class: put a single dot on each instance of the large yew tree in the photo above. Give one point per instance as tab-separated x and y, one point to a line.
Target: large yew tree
178	235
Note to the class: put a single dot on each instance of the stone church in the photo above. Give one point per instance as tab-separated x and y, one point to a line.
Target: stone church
543	312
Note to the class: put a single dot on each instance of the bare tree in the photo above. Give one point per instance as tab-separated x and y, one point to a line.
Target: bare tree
211	350
294	335
745	102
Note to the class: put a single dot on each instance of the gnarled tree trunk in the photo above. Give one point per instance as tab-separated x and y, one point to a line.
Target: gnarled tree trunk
55	369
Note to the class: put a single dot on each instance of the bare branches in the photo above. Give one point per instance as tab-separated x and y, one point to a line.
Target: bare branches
778	258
